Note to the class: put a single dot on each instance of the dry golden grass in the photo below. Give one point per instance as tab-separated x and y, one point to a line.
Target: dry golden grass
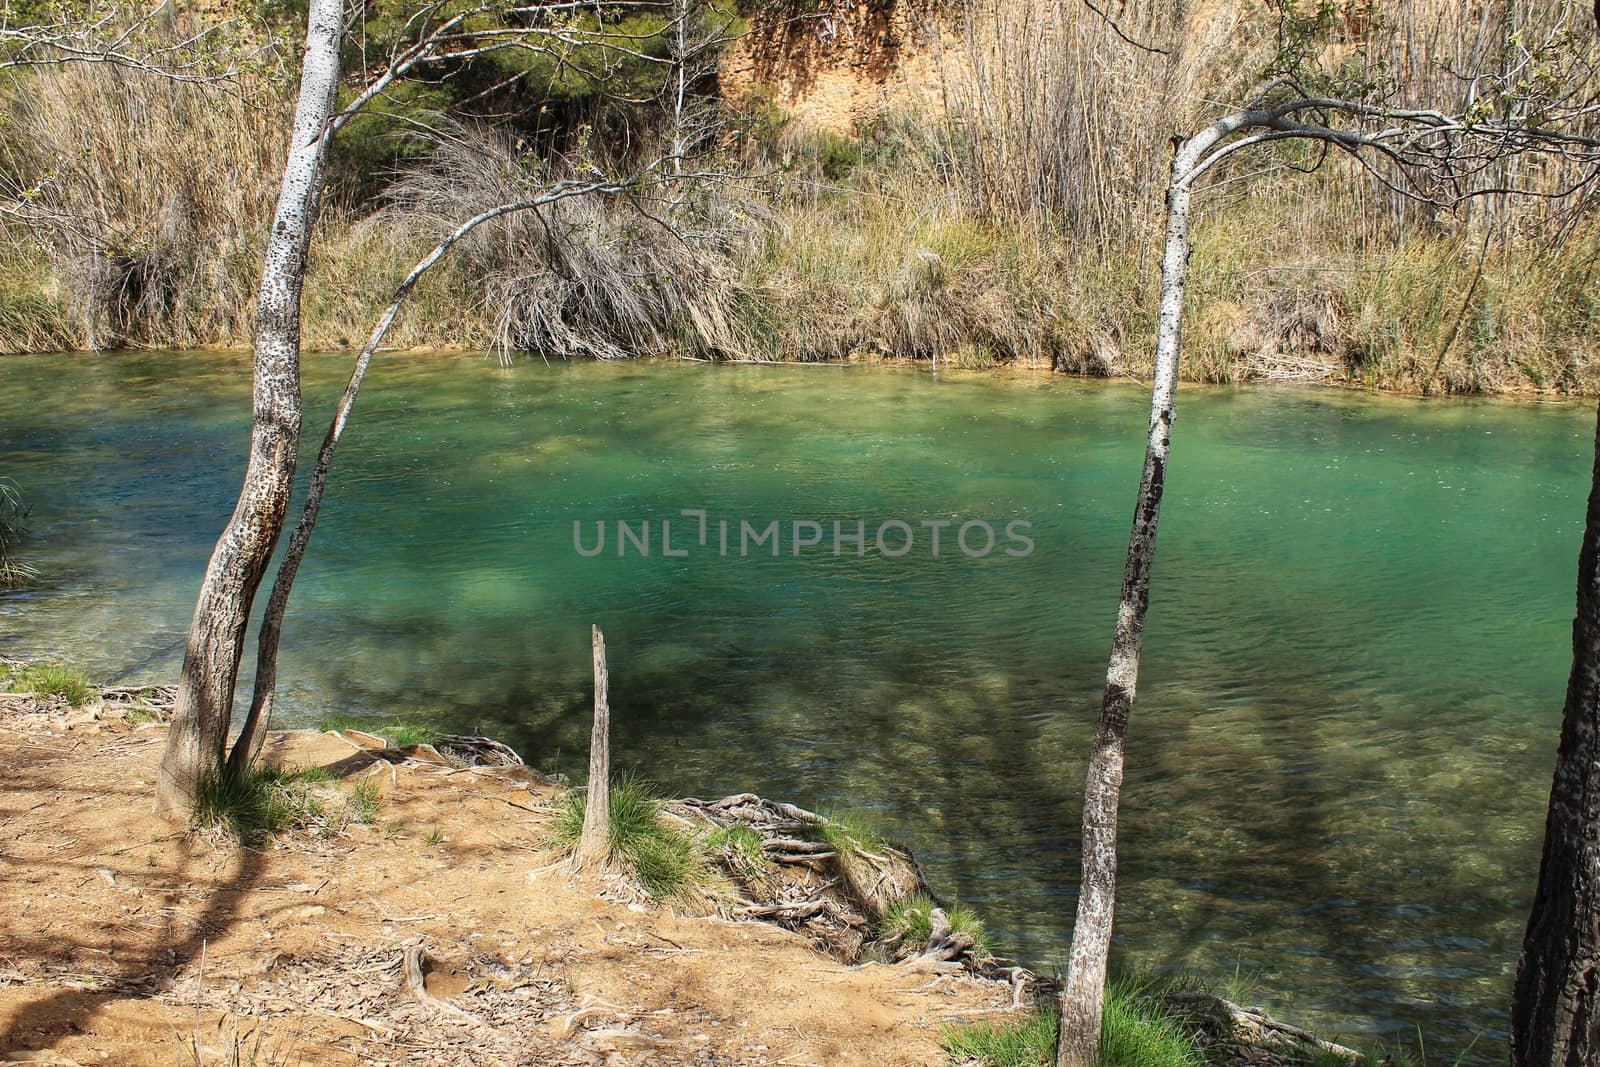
1018	227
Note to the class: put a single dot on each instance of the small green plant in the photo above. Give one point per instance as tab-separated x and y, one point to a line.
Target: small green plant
341	722
667	861
398	734
53	679
910	923
739	843
849	834
261	800
1137	1030
366	797
404	734
13	513
435	835
740	852
1031	1043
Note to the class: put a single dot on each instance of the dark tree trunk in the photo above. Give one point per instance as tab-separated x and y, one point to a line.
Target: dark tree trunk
204	705
1555	1008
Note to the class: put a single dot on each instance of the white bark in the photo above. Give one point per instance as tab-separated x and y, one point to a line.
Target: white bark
204	703
1083	995
1414	141
248	746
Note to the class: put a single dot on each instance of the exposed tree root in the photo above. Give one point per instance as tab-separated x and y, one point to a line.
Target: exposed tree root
1250	1035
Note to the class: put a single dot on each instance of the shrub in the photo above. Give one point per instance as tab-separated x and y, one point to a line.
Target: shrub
608	277
149	197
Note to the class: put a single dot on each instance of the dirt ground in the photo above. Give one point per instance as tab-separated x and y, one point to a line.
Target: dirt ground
127	940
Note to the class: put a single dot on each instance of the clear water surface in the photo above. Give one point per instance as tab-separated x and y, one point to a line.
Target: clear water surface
1353	672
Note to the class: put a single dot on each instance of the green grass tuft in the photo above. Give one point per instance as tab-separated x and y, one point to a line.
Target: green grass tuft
366	797
739	842
667	861
849	834
1136	1031
262	800
910	922
397	733
404	734
53	679
341	723
1029	1044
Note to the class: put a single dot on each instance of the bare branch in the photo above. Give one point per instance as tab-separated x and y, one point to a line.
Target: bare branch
138	42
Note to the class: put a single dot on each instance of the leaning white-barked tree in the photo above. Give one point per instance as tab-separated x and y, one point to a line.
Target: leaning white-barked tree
437	37
1526	106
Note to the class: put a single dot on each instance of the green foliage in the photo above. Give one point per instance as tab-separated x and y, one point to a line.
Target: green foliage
667	861
1031	1043
339	723
1136	1031
739	851
910	923
13	513
849	834
398	733
382	137
1306	29
366	797
53	679
404	734
261	800
839	155
740	841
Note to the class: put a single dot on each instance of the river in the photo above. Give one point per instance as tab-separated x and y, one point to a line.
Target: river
1358	640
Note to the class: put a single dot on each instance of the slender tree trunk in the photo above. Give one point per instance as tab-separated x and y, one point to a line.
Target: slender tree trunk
1083	995
1555	1007
204	704
595	842
254	731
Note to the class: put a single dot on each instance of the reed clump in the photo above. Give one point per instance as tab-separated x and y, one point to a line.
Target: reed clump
146	199
1018	226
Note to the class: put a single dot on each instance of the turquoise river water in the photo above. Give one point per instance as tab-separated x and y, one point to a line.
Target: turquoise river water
1353	673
